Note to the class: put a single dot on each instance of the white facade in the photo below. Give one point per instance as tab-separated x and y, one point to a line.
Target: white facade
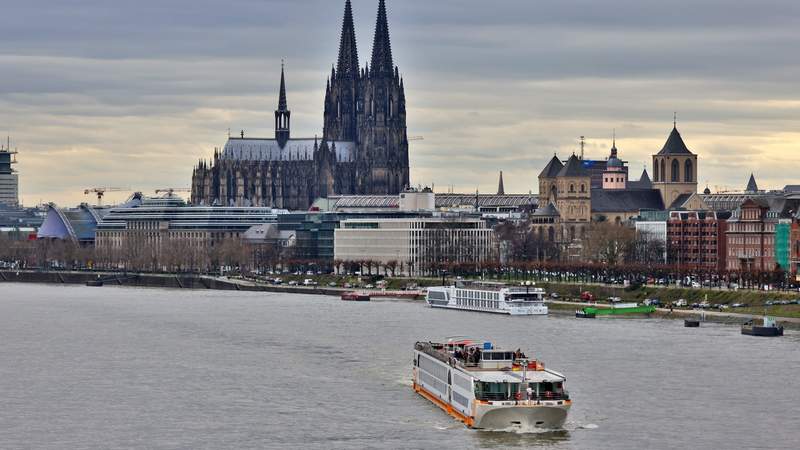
653	231
9	189
416	245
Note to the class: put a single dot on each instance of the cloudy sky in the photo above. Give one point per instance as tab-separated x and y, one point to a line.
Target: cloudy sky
133	93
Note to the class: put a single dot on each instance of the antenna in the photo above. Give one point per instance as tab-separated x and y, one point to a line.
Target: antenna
675	119
583	144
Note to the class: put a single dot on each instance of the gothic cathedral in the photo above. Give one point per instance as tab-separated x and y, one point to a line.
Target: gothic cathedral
364	145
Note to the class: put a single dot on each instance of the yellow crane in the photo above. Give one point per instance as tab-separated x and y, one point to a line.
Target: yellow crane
101	191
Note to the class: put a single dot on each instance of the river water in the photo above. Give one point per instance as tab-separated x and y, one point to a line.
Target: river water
113	368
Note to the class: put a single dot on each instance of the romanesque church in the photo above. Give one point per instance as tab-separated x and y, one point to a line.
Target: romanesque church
363	148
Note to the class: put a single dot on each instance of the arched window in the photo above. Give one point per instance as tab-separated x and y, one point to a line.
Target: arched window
655	169
554	190
551	234
572	232
688	172
583	188
676	171
572	188
663	171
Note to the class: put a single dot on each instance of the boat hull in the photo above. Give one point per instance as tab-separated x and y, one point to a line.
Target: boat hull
526	415
523	416
763	331
689	323
542	311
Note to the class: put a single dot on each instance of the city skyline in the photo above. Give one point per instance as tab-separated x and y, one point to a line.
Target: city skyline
132	95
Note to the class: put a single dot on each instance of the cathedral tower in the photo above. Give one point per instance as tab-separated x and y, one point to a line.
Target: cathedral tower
343	88
382	166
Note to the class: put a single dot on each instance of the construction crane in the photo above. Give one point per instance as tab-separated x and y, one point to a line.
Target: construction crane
171	191
101	191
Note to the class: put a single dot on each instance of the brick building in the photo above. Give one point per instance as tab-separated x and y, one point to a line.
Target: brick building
696	239
751	237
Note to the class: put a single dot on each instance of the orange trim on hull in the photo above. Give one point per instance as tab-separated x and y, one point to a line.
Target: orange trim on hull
468	421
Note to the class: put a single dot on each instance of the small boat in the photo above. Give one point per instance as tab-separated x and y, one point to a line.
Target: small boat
94	283
355	297
769	328
580	314
691	323
488	388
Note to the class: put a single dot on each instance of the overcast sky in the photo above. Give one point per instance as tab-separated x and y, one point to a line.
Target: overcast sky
133	93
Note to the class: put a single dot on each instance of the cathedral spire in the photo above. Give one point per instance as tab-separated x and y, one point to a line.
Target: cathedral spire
282	115
382	63
282	97
348	52
501	189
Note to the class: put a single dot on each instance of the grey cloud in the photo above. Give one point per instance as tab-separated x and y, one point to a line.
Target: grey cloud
138	91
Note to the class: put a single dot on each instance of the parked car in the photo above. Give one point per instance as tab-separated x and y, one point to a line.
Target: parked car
695	285
614	299
309	282
554	295
737	305
293	283
587	296
332	284
652	302
681	303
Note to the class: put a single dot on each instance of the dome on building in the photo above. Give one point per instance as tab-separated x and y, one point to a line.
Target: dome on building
614	162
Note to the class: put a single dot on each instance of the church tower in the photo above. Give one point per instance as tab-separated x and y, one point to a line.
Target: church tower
282	116
382	165
343	88
674	169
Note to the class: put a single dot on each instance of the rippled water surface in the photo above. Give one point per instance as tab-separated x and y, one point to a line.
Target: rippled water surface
112	368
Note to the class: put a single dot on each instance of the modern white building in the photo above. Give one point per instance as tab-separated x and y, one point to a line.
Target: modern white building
652	230
416	246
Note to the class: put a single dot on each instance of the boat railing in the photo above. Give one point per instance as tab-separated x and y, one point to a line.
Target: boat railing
503	397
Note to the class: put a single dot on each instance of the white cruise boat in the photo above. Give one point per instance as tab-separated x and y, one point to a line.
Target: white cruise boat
489	297
489	388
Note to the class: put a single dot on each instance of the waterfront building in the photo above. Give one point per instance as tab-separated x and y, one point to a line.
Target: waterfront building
77	225
416	246
363	149
651	226
696	239
488	205
794	241
751	237
167	223
9	179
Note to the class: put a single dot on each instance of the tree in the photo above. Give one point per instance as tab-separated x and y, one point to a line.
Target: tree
606	243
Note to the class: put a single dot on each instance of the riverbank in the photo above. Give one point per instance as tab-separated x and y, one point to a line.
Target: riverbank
205	282
569	308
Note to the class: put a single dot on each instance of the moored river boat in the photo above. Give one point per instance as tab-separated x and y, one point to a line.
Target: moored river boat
769	328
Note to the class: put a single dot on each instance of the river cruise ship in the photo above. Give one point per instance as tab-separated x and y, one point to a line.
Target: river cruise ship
489	388
489	297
